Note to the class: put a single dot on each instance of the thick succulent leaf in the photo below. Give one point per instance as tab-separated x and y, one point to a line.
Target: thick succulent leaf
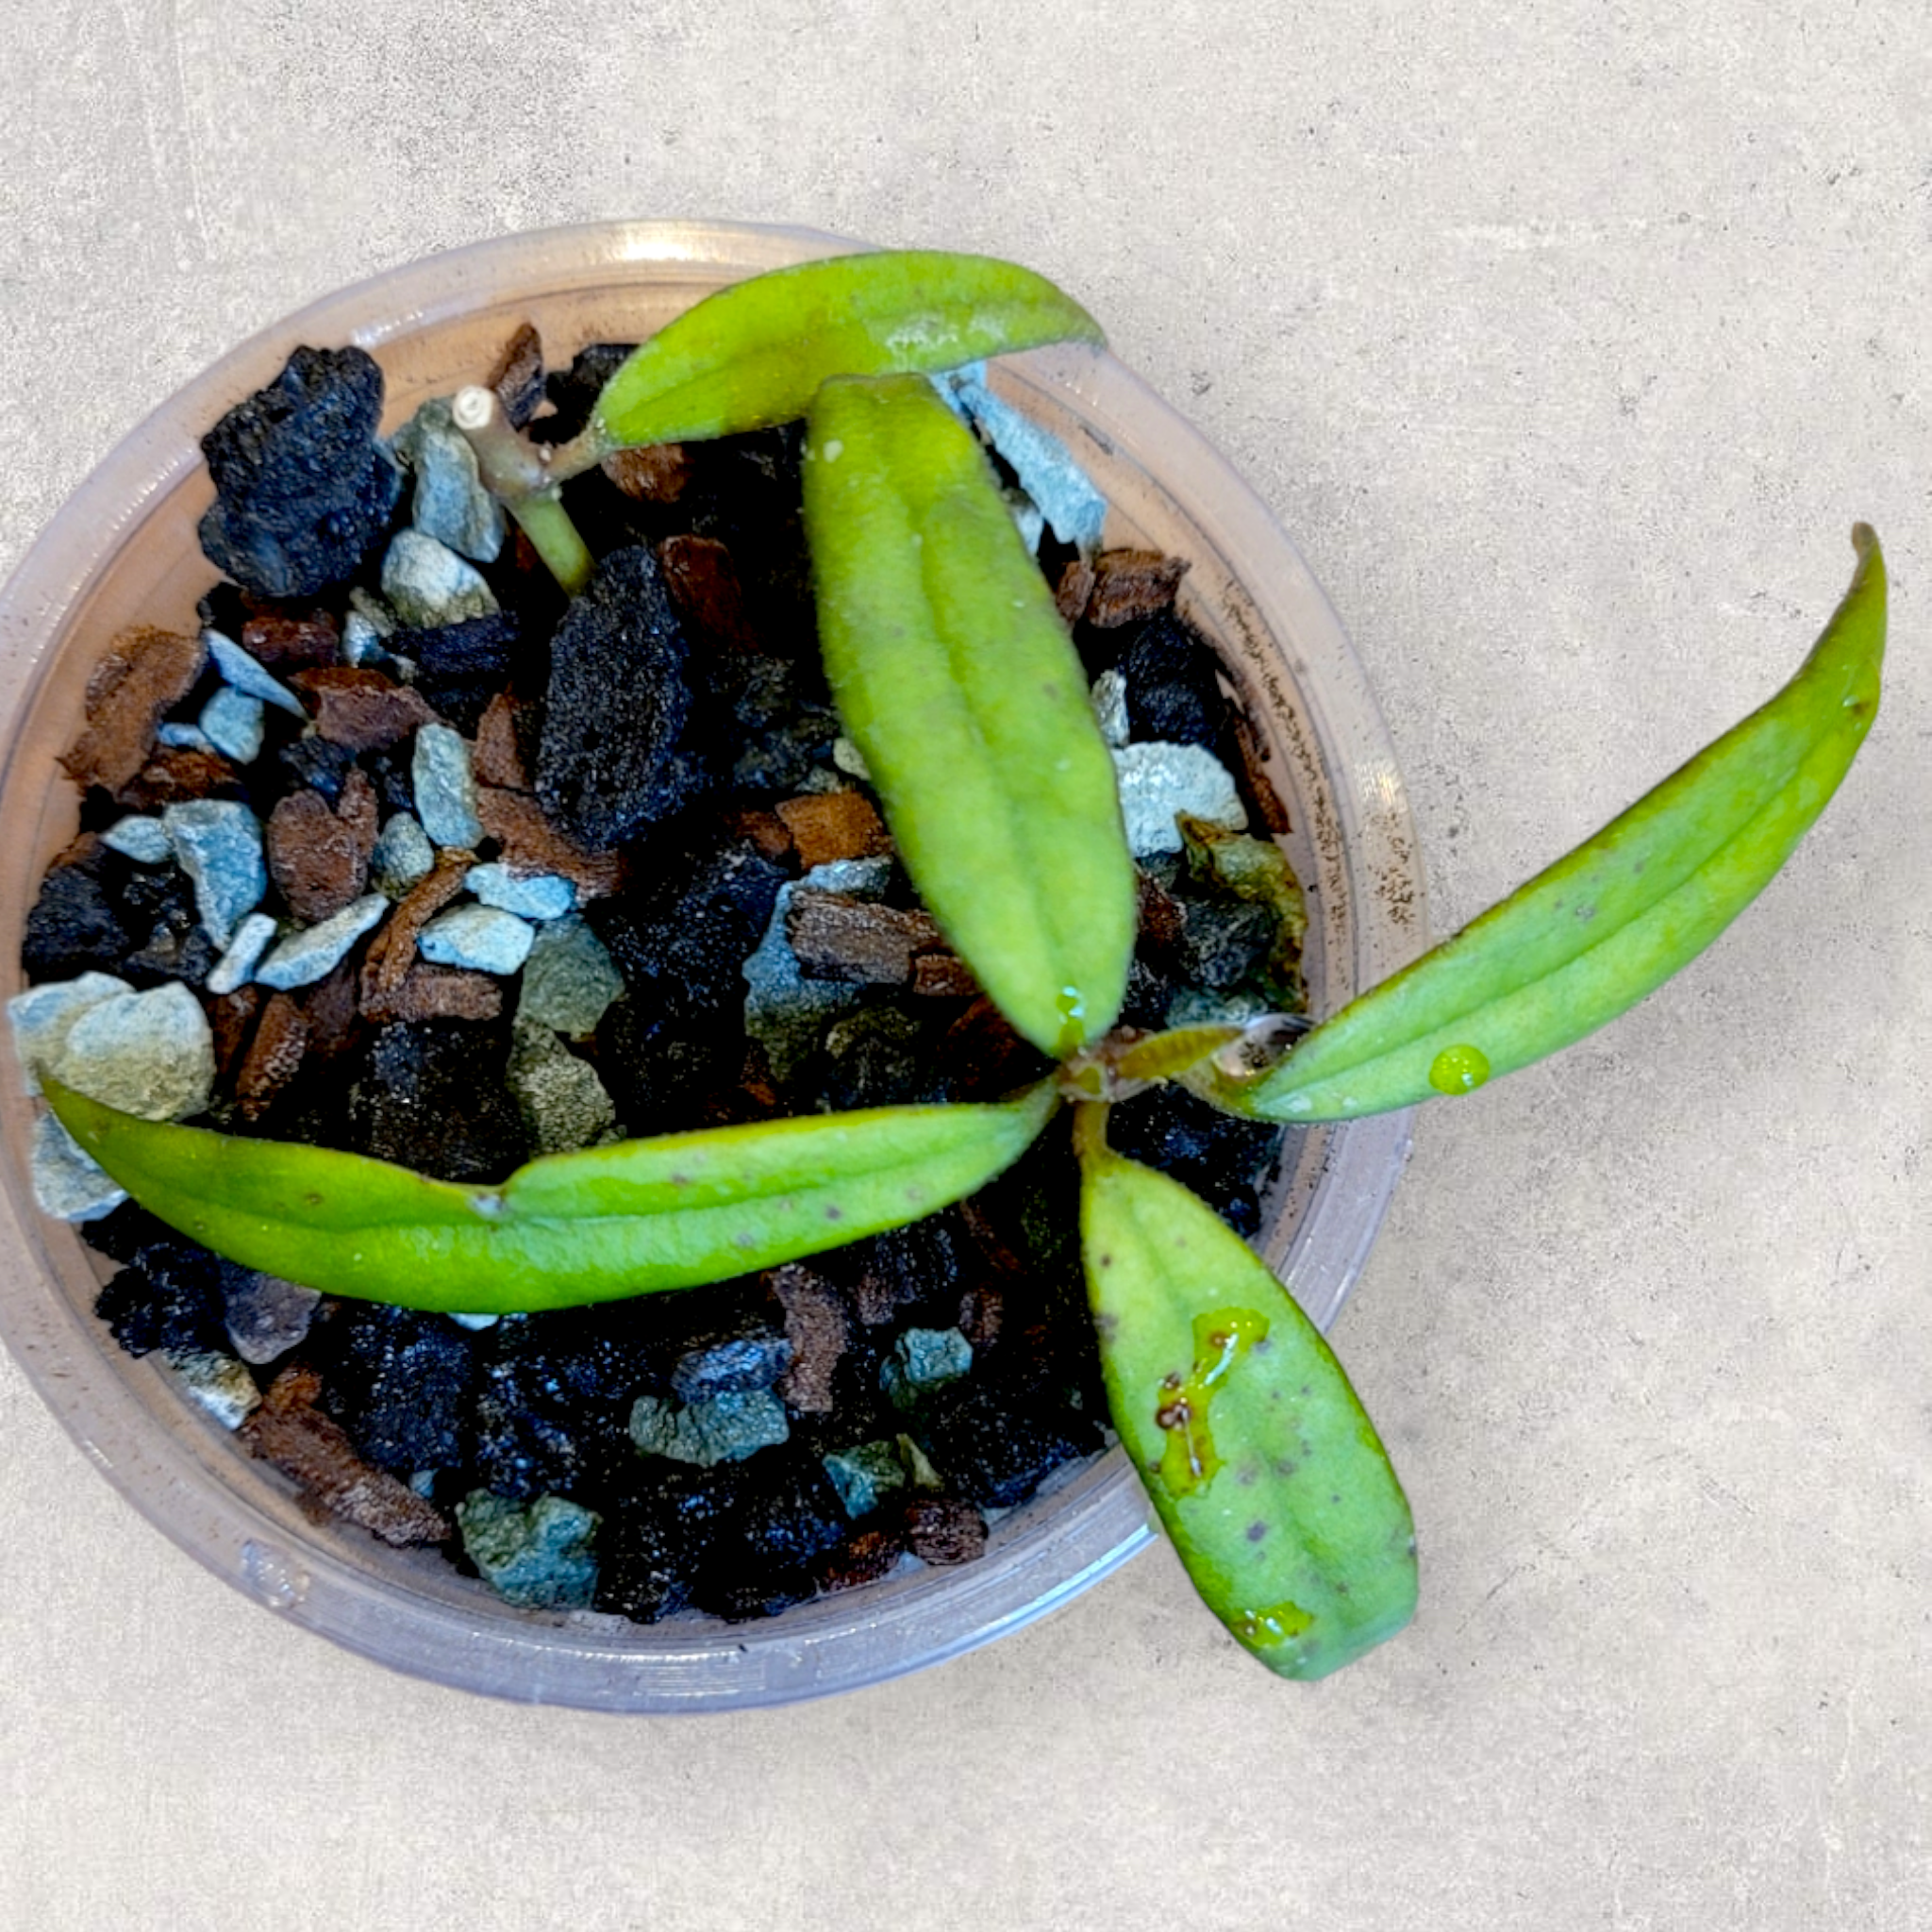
956	676
754	353
1268	1475
630	1219
1613	920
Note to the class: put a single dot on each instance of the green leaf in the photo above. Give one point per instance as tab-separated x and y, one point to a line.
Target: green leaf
953	672
754	353
1268	1475
1613	920
630	1219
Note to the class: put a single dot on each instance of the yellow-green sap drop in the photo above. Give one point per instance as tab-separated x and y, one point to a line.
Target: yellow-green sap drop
1458	1070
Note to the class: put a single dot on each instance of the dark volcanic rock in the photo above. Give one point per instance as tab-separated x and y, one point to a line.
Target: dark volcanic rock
1173	695
426	1100
301	490
612	756
402	1388
75	925
994	1448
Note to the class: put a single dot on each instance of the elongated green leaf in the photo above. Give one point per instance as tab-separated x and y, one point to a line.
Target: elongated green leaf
1613	920
956	676
1263	1465
754	353
630	1219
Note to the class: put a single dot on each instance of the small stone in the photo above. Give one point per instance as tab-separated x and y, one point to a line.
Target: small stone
302	489
727	1429
461	667
402	856
864	1476
428	584
362	643
944	1531
856	941
316	859
237	966
451	503
877	1057
529	895
923	1358
1195	1007
232	723
144	674
1130	585
731	1364
851	760
481	938
831	825
1159	781
317	763
141	839
218	844
374	612
217	1383
43	1016
304	957
267	1316
1046	472
68	1182
1110	706
446	791
245	672
534	1554
1174	693
569	979
183	737
150	1054
563	1102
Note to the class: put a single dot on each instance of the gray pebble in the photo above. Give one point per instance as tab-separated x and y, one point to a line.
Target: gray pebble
374	612
1046	472
865	1473
304	957
268	1316
530	896
562	1100
361	641
183	737
236	967
445	788
218	844
143	840
403	857
1158	780
535	1555
569	979
479	937
450	503
217	1382
1110	706
68	1183
231	721
428	584
42	1017
147	1052
923	1358
727	1429
243	672
849	759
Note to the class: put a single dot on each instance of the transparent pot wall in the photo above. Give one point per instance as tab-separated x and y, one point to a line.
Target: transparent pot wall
124	550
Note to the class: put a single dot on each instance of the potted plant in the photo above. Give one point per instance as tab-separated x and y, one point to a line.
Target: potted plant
1233	1411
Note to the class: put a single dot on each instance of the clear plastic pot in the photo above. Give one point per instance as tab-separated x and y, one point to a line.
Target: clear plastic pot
124	550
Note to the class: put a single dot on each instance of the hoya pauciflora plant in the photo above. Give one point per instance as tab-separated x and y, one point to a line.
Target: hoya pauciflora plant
956	677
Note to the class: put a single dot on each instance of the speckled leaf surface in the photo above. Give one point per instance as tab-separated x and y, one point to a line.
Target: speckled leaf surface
1613	920
1260	1461
753	354
954	674
608	1221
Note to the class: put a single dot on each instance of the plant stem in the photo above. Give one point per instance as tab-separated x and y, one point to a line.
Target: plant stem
524	481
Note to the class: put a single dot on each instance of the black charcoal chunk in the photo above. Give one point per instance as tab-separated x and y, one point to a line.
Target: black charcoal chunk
303	491
461	667
1171	693
171	1298
612	758
74	926
402	1387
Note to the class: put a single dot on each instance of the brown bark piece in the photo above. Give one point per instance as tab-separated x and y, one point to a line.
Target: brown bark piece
289	644
440	993
498	759
231	1019
1267	801
765	829
532	843
655	474
361	709
1075	585
827	825
315	1453
1160	917
145	672
274	1057
317	861
981	1052
819	1327
334	1019
360	812
980	1309
519	378
704	585
942	1529
856	941
392	951
1132	584
943	976
177	773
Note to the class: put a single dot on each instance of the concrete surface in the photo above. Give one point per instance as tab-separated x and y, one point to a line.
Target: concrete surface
1568	341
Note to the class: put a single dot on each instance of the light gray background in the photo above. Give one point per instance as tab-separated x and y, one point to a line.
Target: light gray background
1567	340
